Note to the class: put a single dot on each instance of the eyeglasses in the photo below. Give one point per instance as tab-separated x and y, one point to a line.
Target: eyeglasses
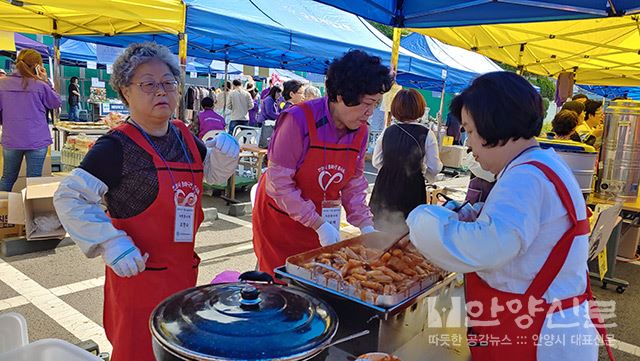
151	86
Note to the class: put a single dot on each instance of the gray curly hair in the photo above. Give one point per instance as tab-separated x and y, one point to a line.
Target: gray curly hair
135	55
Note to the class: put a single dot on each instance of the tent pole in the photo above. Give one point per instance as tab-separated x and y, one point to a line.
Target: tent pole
209	79
51	67
395	52
182	55
224	86
439	119
57	81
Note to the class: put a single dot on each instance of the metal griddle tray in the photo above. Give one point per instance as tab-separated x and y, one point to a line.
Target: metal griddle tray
382	303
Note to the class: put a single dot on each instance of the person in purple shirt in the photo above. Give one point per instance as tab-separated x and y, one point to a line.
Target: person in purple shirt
292	94
254	120
267	90
269	109
25	97
208	118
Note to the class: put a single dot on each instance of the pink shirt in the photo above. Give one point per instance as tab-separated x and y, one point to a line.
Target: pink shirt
287	150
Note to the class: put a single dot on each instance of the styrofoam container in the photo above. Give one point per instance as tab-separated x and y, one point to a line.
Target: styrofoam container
13	331
49	350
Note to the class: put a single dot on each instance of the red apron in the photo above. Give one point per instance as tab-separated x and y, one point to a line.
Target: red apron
171	267
518	330
326	165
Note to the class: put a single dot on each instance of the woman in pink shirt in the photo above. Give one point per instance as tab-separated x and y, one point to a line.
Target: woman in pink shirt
316	163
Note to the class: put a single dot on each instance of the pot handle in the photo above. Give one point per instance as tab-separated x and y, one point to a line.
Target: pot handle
256	276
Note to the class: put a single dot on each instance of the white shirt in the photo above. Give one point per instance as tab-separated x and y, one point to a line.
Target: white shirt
431	162
521	221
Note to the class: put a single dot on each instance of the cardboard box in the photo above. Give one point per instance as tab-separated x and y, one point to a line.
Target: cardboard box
34	201
452	155
19	185
629	239
7	229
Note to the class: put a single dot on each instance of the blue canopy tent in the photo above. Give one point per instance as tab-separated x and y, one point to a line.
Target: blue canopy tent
457	59
611	92
450	13
301	35
75	50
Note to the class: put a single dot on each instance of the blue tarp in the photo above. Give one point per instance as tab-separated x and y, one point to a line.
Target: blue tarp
452	56
451	13
462	64
81	51
75	50
611	92
295	35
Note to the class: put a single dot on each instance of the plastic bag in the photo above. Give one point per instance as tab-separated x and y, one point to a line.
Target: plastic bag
47	223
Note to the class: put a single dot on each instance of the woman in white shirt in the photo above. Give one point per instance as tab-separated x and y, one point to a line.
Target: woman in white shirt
524	253
406	154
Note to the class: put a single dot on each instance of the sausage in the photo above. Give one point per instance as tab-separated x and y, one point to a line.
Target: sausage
391	273
382	278
409	271
373	285
385	257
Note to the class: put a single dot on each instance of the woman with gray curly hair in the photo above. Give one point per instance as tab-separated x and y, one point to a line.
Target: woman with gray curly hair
150	172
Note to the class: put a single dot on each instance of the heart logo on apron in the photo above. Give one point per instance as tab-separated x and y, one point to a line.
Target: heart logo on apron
185	200
336	178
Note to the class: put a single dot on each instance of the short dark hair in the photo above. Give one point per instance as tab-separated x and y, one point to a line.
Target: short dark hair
291	86
408	105
355	75
74	78
591	107
207	102
564	122
237	82
576	106
274	90
503	105
579	96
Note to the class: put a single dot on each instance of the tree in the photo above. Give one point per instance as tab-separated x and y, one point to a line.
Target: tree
547	87
388	30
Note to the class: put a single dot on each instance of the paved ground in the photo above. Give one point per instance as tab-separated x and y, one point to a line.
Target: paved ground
60	291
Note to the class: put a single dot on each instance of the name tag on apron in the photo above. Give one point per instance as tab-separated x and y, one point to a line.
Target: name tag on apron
184	224
331	211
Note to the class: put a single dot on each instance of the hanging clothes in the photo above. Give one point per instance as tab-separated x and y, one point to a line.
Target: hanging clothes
564	87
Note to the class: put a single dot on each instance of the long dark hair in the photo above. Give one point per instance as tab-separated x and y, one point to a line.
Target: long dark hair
273	91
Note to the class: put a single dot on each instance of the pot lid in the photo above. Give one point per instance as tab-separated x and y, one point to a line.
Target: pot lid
243	321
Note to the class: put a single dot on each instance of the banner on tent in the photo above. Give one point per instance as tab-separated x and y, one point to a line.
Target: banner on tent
107	54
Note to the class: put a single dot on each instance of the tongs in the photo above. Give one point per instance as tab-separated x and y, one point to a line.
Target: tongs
385	244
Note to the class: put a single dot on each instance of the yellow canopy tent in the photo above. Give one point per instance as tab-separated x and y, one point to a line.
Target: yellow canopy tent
92	17
599	51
